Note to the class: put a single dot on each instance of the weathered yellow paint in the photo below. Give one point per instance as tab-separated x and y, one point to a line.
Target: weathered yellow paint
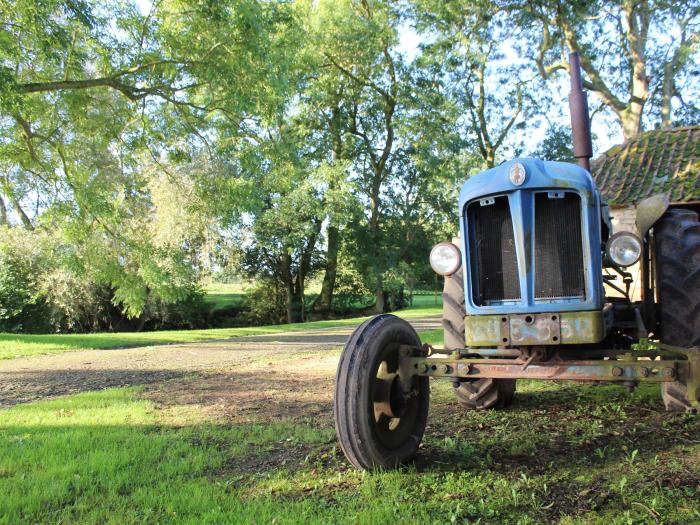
486	330
582	327
574	327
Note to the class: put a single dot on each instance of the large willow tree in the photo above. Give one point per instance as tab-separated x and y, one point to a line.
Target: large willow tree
87	89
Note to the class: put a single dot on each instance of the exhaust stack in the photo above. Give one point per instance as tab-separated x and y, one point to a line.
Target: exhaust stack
580	120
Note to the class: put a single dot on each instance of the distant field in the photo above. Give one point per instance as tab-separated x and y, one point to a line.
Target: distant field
434	299
20	345
221	295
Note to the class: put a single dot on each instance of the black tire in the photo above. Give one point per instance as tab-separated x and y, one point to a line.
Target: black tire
480	394
486	393
677	261
365	391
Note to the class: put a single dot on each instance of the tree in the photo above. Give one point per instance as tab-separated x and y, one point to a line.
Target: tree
86	90
280	237
362	47
466	52
557	145
326	96
632	51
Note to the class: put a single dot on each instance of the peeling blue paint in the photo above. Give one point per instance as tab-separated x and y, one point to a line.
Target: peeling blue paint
541	175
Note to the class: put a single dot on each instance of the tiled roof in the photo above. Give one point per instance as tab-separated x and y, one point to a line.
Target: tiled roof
653	162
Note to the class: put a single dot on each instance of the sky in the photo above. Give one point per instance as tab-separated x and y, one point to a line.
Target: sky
605	130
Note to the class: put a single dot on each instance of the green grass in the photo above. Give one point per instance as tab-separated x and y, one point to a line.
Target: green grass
21	345
427	300
432	337
566	454
108	457
223	295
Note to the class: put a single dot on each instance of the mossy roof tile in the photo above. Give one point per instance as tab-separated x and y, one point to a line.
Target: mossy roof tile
653	162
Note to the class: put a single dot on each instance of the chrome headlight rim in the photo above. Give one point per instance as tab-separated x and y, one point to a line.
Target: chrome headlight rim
440	248
615	239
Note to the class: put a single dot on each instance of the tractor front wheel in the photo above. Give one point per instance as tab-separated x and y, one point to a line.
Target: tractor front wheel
379	419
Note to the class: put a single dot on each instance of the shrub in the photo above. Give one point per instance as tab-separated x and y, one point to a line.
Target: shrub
76	304
186	313
350	291
22	307
265	304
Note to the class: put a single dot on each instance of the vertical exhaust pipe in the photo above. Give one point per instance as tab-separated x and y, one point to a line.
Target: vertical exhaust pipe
580	120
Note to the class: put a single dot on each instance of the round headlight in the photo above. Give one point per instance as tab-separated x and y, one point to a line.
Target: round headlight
624	249
445	258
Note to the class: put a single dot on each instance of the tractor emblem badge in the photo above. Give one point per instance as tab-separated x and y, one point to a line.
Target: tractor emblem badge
517	174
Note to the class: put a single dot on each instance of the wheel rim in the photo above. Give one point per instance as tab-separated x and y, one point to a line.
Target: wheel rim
392	412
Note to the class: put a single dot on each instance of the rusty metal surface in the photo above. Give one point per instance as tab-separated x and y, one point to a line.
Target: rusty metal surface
534	329
598	370
580	120
582	327
690	375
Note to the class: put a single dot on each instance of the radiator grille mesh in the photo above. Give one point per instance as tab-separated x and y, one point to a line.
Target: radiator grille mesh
558	247
493	253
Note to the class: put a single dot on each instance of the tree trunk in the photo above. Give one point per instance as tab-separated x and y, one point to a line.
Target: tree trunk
299	298
374	232
631	120
666	96
3	212
325	299
290	303
379	297
23	216
490	157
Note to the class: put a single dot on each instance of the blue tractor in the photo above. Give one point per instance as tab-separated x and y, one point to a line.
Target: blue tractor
524	298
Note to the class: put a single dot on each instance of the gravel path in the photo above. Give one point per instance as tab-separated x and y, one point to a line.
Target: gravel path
27	379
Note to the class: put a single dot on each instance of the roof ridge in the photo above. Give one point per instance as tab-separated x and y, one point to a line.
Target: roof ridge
644	134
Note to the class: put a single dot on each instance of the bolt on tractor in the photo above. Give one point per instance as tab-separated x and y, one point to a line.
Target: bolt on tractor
524	298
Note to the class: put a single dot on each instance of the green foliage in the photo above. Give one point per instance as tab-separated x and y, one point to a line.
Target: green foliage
557	145
96	97
22	306
637	57
351	292
278	140
266	303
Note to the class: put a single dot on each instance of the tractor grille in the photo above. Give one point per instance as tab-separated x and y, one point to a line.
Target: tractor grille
493	252
553	245
558	246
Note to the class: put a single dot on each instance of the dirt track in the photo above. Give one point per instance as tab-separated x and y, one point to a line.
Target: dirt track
304	355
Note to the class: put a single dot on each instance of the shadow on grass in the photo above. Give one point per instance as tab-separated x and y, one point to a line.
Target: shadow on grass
24	387
67	459
572	427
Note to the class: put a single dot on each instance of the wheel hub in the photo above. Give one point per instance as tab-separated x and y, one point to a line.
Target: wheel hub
389	398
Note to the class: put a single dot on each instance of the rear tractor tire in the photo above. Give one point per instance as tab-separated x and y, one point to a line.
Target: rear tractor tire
677	259
379	422
478	394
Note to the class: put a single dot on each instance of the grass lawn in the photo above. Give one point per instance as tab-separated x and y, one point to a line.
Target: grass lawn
425	300
20	345
222	296
564	453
